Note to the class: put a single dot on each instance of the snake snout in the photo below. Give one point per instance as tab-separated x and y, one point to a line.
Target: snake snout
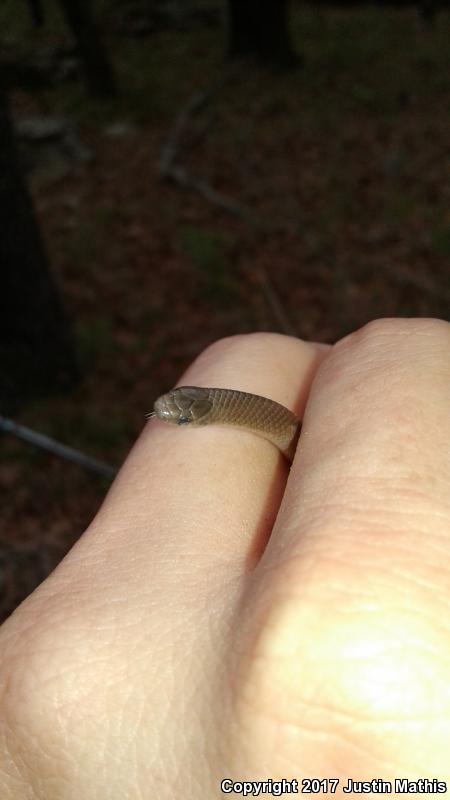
165	409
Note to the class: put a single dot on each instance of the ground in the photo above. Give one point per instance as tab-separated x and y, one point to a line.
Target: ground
341	167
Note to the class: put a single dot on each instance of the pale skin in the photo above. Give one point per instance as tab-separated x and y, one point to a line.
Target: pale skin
222	617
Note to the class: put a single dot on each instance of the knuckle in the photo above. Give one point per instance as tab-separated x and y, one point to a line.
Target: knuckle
242	347
387	329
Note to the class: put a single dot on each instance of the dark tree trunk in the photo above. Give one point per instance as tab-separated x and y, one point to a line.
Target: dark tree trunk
37	15
36	354
260	27
97	67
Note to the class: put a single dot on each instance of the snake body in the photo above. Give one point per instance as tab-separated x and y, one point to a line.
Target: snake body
196	406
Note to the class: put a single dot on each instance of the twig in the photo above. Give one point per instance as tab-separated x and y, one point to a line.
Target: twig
171	149
172	152
274	303
403	275
180	175
58	449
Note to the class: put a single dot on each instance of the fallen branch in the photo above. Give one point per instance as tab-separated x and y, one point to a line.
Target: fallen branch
182	178
171	150
172	153
58	449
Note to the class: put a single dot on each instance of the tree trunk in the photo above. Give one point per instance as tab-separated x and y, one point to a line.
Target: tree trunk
260	28
37	14
97	67
36	353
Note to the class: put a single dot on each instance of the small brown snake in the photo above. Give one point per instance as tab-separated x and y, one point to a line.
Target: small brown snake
196	406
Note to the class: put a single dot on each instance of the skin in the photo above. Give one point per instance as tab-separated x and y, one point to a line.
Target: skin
222	617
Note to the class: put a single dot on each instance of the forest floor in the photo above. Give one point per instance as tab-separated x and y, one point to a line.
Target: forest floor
341	167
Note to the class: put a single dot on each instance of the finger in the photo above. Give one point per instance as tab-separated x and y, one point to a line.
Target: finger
347	610
374	445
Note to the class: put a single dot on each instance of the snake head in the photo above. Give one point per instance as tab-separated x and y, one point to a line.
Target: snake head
185	405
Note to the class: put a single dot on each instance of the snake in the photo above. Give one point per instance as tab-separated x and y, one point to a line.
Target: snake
197	406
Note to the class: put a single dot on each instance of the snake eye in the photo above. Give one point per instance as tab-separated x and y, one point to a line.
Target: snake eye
183	421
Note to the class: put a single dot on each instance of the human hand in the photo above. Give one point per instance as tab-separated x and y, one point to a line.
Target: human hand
223	618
